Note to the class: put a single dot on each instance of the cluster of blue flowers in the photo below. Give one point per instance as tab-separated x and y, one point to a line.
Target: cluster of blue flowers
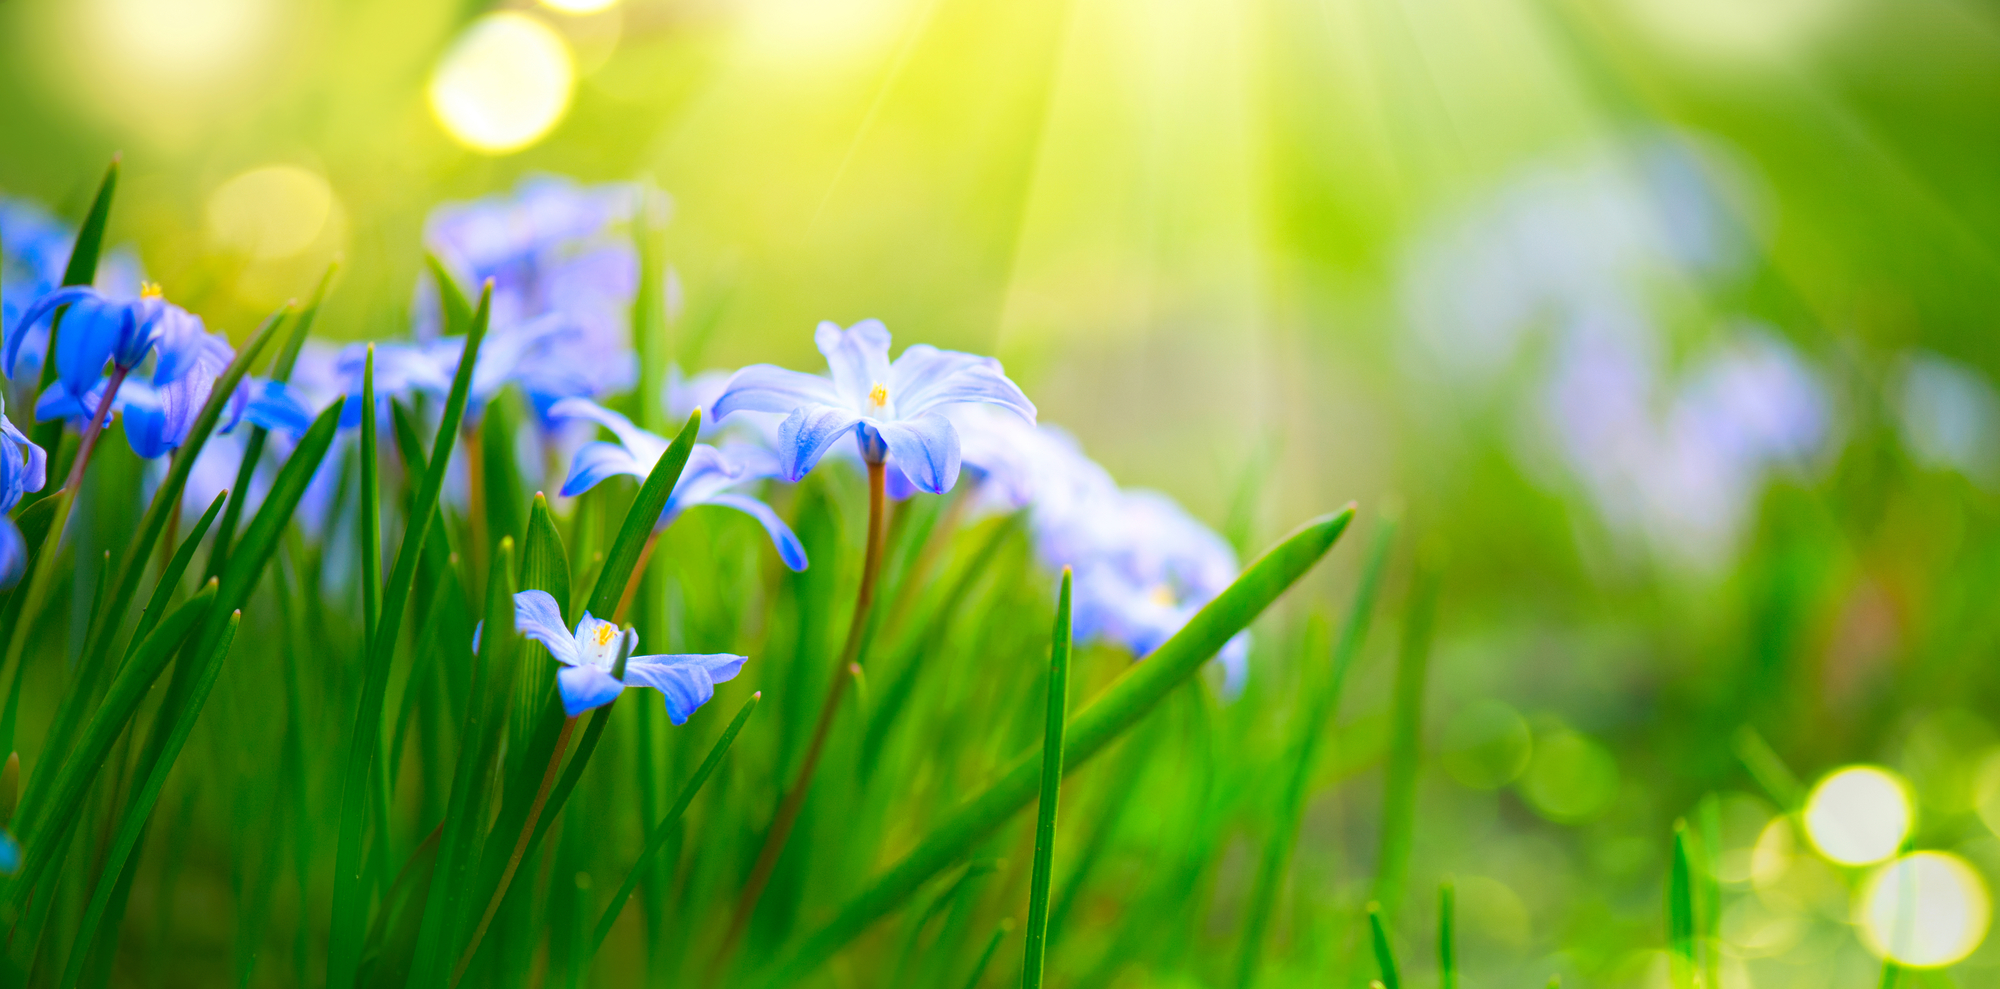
562	280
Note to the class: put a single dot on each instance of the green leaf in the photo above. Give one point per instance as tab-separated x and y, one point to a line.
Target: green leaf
253	449
1399	789
986	957
479	746
664	830
1385	956
1118	709
452	302
166	502
81	270
43	829
133	823
1447	936
1308	727
349	894
1680	913
500	470
1045	814
170	578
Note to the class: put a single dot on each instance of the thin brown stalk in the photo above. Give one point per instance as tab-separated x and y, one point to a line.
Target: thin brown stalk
95	429
795	797
520	850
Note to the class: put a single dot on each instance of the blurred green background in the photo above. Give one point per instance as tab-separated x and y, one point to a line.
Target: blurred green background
1667	322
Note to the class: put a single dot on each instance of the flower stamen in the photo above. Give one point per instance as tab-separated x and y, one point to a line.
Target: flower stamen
151	290
878	396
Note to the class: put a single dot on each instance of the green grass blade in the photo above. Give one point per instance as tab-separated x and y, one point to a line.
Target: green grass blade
41	830
132	825
639	520
170	578
1118	709
371	508
349	894
665	828
81	270
453	304
1768	769
1037	934
166	502
986	957
1399	794
479	745
253	449
1385	956
1708	890
500	470
1447	936
1680	912
1311	725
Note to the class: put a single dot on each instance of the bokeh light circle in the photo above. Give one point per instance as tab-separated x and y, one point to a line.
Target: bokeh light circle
1924	910
1486	745
1858	815
503	84
1571	778
274	211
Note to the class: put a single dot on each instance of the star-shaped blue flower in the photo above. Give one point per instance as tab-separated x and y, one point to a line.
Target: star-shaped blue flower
706	480
893	410
592	654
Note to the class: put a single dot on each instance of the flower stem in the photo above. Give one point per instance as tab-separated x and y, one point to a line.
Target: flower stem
795	797
638	575
96	427
520	851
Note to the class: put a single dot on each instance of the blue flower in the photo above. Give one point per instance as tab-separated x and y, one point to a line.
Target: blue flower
23	468
893	410
706	480
123	332
37	248
592	654
563	282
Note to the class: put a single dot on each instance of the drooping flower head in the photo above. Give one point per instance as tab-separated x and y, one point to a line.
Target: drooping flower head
97	329
592	654
893	410
707	479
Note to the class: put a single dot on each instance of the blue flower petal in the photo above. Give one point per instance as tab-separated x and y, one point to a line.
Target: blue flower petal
273	407
644	446
537	616
783	539
925	378
148	427
805	435
43	306
858	357
13	557
92	330
687	681
926	449
586	687
596	462
768	388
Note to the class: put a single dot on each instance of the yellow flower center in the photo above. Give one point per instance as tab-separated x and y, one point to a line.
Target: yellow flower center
878	396
604	634
151	290
1163	596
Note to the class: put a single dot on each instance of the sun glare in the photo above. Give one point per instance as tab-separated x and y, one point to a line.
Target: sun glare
274	211
504	84
1858	815
1924	910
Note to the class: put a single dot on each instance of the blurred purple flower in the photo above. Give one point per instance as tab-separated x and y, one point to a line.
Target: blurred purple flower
894	411
563	283
592	654
706	480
